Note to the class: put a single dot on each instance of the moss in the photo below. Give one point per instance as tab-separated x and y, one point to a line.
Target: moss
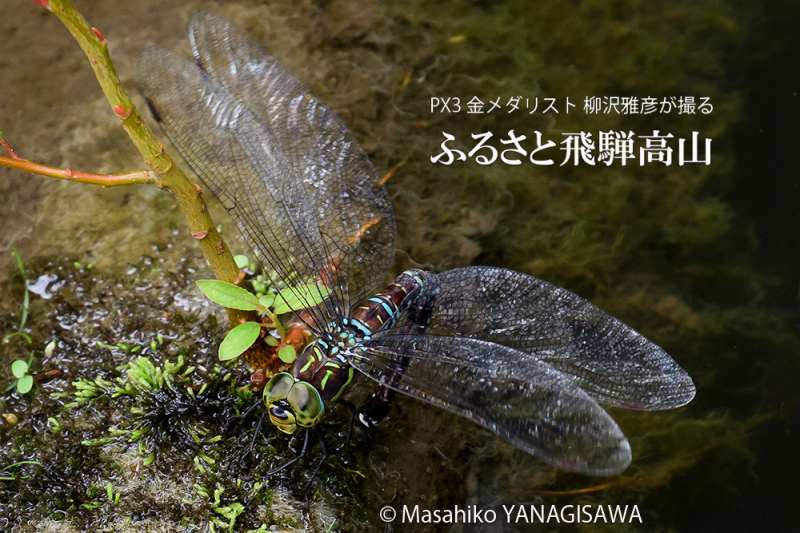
132	436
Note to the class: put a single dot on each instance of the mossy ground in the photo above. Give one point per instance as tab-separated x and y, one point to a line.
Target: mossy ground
143	430
668	250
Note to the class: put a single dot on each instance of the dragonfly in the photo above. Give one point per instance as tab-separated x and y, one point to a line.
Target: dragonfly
529	361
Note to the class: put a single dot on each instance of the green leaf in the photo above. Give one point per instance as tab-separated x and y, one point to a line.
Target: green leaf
19	368
25	384
228	295
271	341
259	286
300	297
242	261
53	424
238	340
267	300
287	354
20	264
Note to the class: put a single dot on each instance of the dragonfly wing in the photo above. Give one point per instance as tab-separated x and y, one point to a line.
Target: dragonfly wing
527	402
237	157
353	210
611	361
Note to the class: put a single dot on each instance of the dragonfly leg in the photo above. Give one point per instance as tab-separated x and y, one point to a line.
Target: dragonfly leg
252	445
242	418
249	410
294	459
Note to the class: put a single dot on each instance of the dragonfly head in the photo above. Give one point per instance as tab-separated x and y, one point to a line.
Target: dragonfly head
292	402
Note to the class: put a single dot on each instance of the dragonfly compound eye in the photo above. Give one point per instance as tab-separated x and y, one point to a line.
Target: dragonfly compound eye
306	404
278	387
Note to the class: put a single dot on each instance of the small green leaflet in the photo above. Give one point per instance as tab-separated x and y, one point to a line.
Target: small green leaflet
228	295
300	297
287	354
241	261
19	368
238	340
267	300
25	384
259	286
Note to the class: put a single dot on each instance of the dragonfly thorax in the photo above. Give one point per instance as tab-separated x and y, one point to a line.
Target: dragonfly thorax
323	371
324	362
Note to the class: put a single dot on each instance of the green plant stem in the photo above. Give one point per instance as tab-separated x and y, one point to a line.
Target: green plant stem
26	297
105	180
276	323
5	471
167	175
25	306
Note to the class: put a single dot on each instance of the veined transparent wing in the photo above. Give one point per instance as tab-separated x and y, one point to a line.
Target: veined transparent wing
525	401
235	155
612	362
352	209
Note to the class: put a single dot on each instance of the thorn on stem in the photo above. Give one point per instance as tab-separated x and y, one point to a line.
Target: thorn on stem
99	34
42	3
122	111
199	235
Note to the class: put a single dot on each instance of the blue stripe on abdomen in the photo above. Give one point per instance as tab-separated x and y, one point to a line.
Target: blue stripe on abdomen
388	306
360	326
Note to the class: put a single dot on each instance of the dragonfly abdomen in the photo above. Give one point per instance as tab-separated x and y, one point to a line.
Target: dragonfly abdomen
322	363
382	310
